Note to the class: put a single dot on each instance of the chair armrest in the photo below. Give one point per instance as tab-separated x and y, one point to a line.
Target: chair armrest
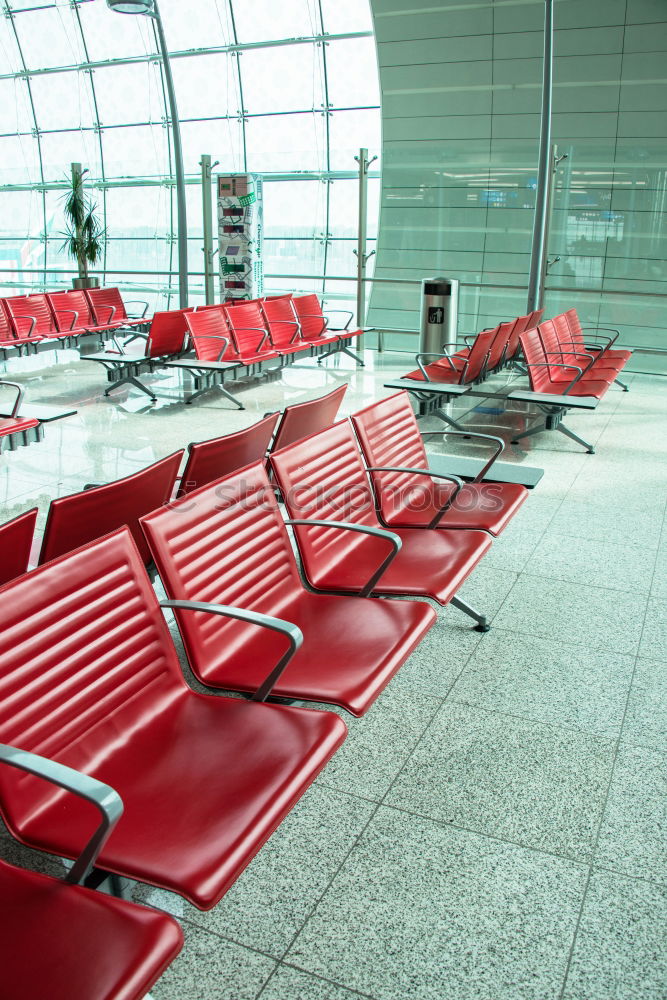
346	312
500	446
74	313
212	336
138	302
293	633
363	529
106	305
432	354
551	364
607	329
19	396
288	322
425	472
100	795
33	324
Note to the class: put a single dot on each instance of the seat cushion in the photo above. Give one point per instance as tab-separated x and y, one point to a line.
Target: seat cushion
15	425
488	506
436	373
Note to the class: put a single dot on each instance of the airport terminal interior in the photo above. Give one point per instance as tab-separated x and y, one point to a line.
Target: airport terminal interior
323	261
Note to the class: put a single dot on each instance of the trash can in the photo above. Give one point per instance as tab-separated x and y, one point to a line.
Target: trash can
439	314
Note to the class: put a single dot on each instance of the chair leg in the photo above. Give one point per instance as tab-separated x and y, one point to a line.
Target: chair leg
482	621
624	386
130	380
533	430
200	392
351	354
326	354
575	437
445	417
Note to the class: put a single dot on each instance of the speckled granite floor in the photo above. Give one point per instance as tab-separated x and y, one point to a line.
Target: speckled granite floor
495	828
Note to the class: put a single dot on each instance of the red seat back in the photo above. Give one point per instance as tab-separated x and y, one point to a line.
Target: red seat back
85	659
282	324
168	333
500	343
106	304
15	543
7	334
248	326
211	335
226	543
478	355
23	309
211	460
389	436
81	517
520	324
576	332
302	419
533	352
71	309
309	313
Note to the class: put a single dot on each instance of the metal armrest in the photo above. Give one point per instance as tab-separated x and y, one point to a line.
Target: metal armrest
19	396
33	324
432	354
255	329
607	329
363	529
473	434
293	633
551	364
346	312
137	302
100	795
58	312
112	312
425	472
288	322
212	336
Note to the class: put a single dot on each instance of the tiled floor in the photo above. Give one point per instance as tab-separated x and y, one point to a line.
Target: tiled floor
495	828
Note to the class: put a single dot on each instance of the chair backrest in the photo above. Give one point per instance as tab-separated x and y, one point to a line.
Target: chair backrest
85	658
309	313
521	323
74	520
533	352
222	456
106	304
282	324
225	543
168	333
211	335
500	343
15	543
302	419
576	332
478	356
324	477
71	309
23	309
7	335
389	436
248	326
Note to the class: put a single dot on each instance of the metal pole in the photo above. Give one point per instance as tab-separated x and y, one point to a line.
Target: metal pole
205	164
536	279
178	164
362	160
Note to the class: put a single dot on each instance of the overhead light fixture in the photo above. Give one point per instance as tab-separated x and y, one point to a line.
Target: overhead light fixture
149	8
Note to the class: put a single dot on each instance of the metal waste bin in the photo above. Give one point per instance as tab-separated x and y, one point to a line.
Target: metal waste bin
439	314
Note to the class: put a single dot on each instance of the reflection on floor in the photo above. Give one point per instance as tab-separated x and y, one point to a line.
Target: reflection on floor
495	826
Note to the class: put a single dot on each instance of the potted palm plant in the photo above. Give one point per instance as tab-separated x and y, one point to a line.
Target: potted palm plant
84	233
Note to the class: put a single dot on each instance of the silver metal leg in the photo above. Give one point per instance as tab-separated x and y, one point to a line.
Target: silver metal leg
575	437
228	395
529	433
482	621
445	417
131	380
351	354
624	386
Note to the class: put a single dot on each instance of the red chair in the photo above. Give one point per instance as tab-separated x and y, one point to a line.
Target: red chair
250	334
63	942
82	517
470	369
315	327
302	419
497	352
33	319
16	430
11	342
391	440
527	322
323	478
582	334
567	353
228	543
73	315
109	310
89	674
166	340
284	328
16	538
211	460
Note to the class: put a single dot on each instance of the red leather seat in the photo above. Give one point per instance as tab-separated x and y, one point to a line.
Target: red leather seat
90	677
15	544
227	543
108	309
10	336
579	335
284	328
72	312
301	419
16	425
470	369
312	322
250	333
324	477
211	460
562	349
32	318
540	369
81	517
389	436
522	323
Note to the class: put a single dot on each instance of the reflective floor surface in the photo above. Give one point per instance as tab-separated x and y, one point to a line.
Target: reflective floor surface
495	827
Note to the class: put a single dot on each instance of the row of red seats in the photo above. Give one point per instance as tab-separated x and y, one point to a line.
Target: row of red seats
89	674
15	429
220	343
27	321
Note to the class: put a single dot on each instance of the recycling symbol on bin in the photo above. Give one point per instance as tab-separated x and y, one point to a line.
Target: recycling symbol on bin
436	314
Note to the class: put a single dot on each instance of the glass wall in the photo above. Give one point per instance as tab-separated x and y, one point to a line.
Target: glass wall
288	90
461	86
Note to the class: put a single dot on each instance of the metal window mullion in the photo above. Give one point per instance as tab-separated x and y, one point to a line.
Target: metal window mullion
37	136
172	180
328	181
236	50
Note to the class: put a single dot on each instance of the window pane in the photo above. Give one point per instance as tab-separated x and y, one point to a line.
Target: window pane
49	37
63	100
127	94
19	160
15	110
285	256
109	35
265	19
137	211
220	95
286	142
196	24
346	15
222	140
20	213
60	149
286	78
352	73
349	131
140	151
294	208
